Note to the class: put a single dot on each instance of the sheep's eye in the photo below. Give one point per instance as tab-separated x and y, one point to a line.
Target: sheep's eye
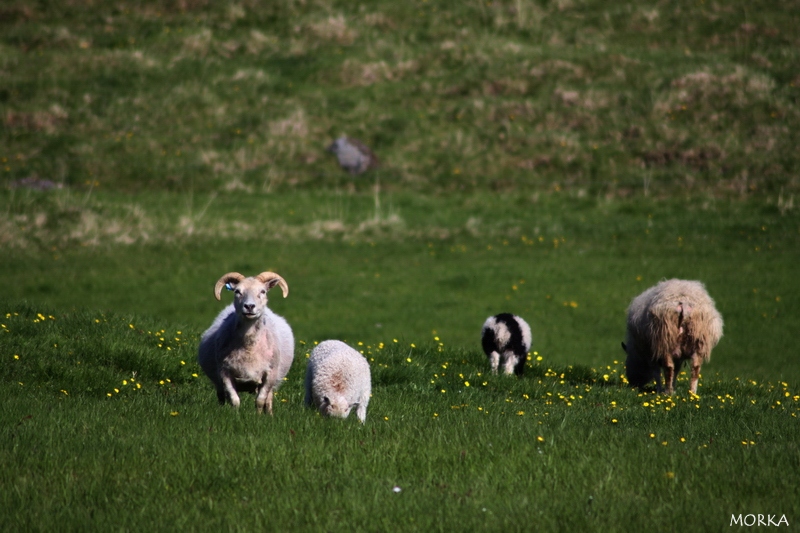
237	292
263	291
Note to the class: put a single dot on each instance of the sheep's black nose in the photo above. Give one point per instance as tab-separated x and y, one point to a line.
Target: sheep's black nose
249	307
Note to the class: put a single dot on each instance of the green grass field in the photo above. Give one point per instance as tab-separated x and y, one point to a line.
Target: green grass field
552	159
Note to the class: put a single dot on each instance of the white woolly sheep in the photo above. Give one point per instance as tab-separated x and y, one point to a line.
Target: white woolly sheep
338	379
506	340
672	322
248	348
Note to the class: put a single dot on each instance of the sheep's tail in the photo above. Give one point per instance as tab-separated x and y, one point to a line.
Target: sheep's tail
665	328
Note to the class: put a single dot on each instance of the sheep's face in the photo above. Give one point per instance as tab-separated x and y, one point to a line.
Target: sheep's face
250	294
338	407
249	298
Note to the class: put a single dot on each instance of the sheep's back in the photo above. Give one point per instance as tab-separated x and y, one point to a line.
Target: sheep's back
336	367
654	318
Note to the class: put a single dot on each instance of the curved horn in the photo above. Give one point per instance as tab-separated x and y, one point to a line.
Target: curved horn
230	276
265	277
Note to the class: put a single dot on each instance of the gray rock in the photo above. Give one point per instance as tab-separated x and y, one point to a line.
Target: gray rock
353	155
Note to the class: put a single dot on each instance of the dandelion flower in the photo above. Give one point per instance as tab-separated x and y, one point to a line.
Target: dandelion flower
540	438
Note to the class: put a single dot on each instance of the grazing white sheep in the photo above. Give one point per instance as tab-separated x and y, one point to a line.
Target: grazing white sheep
338	379
672	322
248	347
506	340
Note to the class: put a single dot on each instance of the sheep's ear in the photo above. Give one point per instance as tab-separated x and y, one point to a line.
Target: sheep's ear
229	281
270	279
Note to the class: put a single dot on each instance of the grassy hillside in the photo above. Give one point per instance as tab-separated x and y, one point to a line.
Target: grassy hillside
505	95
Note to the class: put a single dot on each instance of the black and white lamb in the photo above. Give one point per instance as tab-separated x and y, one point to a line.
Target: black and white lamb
506	340
338	379
248	348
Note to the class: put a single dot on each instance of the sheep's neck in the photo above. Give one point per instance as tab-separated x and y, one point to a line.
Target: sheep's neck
253	344
251	333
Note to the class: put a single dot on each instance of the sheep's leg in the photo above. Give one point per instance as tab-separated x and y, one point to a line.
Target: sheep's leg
675	373
264	400
230	390
361	412
509	363
669	376
270	395
261	394
494	359
261	399
697	362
